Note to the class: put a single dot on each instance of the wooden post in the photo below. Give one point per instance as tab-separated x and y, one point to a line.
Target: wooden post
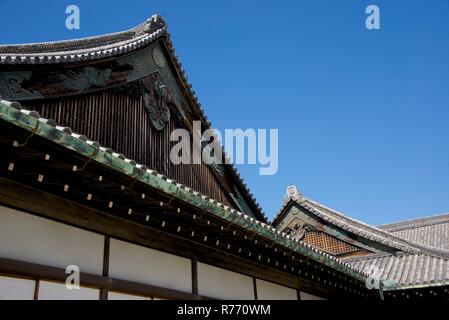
107	245
255	288
194	277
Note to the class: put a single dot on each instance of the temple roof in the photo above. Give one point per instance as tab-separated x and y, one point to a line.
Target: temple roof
431	231
14	114
112	45
85	49
404	271
354	226
422	256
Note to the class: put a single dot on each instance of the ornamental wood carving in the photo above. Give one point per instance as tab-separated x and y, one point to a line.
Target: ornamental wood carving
63	81
156	98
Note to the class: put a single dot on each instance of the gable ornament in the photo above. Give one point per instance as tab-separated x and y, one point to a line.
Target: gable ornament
156	99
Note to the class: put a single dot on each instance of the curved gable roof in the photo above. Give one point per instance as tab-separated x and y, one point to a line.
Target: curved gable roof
113	45
356	227
85	49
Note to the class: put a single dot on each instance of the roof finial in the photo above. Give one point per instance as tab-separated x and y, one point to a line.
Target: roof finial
293	193
154	23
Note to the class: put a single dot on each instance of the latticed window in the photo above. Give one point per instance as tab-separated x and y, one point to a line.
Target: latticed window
328	243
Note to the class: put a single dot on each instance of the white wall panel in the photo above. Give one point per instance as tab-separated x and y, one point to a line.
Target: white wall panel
218	283
33	239
59	291
271	291
307	296
139	264
124	296
16	289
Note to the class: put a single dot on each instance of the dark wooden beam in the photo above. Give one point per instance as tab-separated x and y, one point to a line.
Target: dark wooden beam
20	268
106	250
36	289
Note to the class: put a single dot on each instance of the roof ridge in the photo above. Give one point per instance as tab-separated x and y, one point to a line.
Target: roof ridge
389	238
415	223
355	226
341	216
84	49
67	41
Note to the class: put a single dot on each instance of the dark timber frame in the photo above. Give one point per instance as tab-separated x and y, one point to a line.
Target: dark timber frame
40	272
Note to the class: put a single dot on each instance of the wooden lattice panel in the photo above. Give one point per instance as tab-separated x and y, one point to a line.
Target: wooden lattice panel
328	243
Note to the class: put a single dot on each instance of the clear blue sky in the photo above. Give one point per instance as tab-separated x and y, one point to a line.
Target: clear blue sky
363	116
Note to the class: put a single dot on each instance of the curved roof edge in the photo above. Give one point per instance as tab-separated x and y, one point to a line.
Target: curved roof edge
355	226
415	223
85	49
404	271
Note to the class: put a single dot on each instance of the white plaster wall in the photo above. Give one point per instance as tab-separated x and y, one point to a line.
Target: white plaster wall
16	289
271	291
37	240
139	264
59	291
218	283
